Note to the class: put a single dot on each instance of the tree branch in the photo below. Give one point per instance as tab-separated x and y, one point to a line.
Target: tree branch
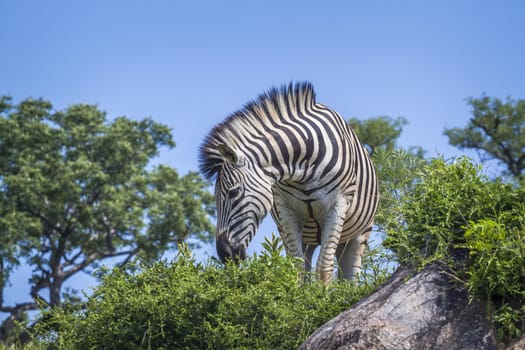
42	217
19	308
96	256
16	314
43	282
128	258
70	261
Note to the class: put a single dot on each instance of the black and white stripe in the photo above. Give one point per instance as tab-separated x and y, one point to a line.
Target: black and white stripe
290	155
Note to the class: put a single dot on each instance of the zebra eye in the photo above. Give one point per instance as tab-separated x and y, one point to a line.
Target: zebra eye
234	192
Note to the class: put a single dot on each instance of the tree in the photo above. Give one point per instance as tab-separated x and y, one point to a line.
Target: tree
76	189
497	131
379	133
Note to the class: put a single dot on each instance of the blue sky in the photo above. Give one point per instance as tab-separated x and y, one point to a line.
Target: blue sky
190	64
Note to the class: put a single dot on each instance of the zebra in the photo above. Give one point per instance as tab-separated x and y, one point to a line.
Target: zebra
286	154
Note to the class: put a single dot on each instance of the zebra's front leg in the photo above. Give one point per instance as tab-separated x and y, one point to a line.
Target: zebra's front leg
330	235
291	235
308	251
349	255
290	227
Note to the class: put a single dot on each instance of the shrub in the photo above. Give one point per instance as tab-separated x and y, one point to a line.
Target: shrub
261	304
497	269
455	214
431	216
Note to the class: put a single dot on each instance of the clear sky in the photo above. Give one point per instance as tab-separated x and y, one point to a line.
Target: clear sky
189	64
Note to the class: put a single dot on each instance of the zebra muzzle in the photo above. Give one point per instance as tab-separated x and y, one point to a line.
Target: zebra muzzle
227	251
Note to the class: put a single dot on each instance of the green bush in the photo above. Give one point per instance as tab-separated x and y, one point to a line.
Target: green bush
432	216
261	304
455	214
497	269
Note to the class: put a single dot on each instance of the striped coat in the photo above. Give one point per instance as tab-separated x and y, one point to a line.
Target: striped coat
286	154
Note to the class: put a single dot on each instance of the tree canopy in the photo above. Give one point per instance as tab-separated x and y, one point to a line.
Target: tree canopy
379	133
76	188
497	131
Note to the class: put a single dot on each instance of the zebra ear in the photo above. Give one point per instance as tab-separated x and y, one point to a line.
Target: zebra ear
228	153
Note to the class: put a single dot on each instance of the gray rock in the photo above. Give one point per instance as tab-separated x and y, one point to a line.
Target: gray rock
411	311
519	344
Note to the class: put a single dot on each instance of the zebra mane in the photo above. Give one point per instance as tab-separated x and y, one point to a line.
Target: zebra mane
294	96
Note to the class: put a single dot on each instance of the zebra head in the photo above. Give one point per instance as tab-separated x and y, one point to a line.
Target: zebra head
243	200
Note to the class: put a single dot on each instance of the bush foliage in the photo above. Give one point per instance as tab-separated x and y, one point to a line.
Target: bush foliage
455	214
262	304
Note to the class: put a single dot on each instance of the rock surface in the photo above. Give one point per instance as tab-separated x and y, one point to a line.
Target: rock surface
411	311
